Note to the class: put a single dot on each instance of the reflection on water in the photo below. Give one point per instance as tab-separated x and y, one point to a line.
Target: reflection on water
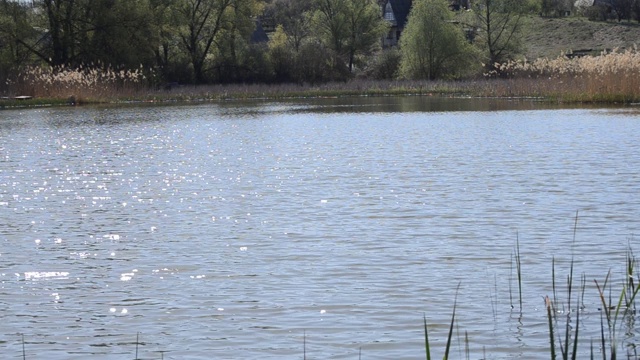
426	104
267	230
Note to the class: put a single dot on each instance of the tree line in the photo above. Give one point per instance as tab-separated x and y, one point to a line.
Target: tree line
311	41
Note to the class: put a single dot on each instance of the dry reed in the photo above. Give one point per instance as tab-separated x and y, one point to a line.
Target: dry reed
612	76
79	84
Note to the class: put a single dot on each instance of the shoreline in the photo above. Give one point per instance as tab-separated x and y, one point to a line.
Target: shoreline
548	90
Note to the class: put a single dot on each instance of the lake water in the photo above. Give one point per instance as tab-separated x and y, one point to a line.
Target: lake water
317	229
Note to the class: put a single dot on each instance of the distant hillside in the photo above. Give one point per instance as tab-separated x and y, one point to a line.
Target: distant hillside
548	37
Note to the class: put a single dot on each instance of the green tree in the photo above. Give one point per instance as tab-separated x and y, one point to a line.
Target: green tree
16	33
431	45
622	8
61	19
209	26
499	24
169	59
201	22
295	18
365	28
280	55
234	57
350	28
555	8
72	32
120	33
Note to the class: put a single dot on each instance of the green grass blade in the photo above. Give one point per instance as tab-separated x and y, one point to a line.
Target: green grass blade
511	281
574	354
553	279
633	296
519	268
552	346
466	345
631	286
602	338
618	306
426	338
567	331
453	317
605	306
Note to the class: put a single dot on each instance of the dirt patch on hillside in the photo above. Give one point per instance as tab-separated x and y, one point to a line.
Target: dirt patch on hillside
545	37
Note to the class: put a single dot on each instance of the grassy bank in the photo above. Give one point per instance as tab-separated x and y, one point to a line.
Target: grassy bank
610	77
550	37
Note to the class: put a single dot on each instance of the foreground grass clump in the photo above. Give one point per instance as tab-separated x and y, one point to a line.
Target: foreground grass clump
614	337
609	77
611	336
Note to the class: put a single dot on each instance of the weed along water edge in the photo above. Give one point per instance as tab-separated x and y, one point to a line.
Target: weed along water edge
608	78
320	229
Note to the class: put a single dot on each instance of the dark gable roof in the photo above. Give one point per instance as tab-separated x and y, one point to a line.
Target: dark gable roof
259	35
401	10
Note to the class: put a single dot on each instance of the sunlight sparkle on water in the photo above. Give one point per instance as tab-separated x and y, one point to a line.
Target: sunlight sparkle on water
36	275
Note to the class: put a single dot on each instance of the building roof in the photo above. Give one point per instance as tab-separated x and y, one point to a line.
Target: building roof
259	35
401	10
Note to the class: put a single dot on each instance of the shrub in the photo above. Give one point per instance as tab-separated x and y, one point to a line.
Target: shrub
385	66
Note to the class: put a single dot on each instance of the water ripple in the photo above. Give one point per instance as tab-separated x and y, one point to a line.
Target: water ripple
244	232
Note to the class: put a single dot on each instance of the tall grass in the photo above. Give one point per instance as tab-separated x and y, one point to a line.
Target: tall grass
427	344
92	83
564	318
616	312
519	269
612	76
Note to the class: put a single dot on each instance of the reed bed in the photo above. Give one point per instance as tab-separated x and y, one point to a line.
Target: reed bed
357	87
612	77
92	83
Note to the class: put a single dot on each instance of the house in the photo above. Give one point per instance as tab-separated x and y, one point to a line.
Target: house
259	35
457	5
586	3
396	13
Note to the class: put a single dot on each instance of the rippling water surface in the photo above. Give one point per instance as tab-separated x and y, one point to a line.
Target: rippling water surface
325	228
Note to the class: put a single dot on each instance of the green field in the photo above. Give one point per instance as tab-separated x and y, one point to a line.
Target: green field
549	37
